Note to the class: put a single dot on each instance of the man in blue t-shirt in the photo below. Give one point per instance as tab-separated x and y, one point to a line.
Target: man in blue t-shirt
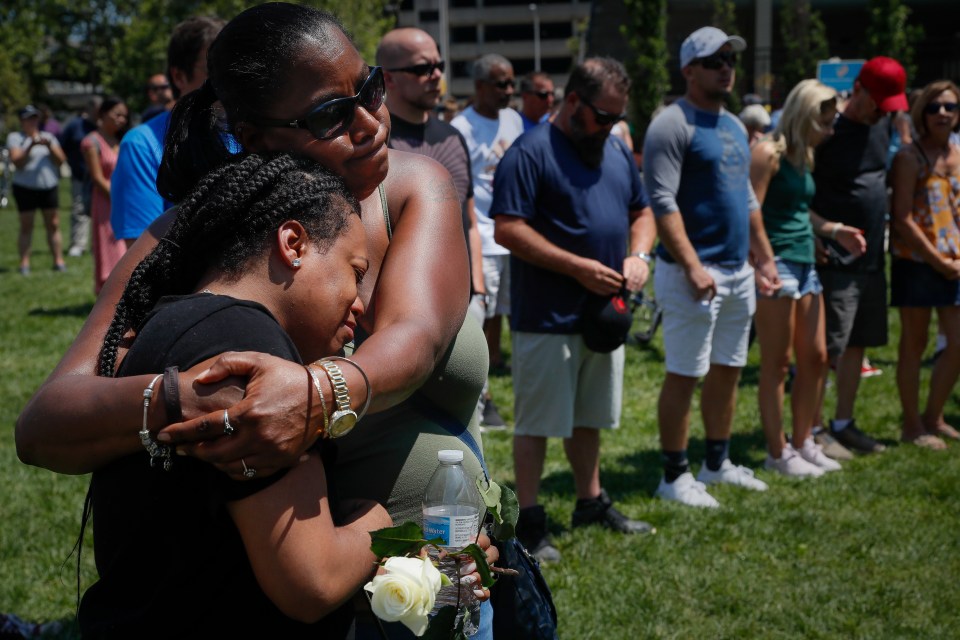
696	164
134	200
569	204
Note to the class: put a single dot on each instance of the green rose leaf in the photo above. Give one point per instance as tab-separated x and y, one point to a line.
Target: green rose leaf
475	552
505	528
491	492
402	540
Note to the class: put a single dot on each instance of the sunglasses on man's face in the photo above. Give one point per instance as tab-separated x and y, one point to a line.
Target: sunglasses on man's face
158	87
717	60
604	118
423	69
933	108
502	84
543	95
333	117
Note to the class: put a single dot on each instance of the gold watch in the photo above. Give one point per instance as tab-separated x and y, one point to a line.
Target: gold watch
343	419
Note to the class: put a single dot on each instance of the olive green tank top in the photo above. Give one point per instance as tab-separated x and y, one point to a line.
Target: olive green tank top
390	455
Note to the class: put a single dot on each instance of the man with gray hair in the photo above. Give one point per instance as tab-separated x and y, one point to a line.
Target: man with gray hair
568	202
490	127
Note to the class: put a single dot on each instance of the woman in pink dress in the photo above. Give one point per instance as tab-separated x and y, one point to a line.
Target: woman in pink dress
100	151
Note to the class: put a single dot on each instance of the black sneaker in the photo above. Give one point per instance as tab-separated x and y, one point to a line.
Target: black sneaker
856	440
490	419
600	510
532	533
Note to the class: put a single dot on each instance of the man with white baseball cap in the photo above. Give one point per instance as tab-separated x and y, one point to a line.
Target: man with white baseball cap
713	257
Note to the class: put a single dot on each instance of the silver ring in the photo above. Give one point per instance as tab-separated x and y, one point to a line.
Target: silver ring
228	429
248	472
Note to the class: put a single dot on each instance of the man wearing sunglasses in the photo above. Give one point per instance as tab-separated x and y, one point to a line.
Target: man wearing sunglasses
489	126
713	257
160	96
134	200
851	180
413	72
569	204
536	90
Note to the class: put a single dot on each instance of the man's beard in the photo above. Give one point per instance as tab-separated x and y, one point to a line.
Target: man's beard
589	146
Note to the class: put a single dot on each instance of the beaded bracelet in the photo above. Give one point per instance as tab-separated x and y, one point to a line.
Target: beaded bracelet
156	451
366	380
323	401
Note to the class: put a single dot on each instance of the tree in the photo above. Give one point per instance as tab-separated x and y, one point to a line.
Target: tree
725	19
646	33
888	34
804	41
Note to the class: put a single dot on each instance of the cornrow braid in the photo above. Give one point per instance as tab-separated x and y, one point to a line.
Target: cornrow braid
224	222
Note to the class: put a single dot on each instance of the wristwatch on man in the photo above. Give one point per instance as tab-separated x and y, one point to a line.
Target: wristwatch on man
643	255
344	418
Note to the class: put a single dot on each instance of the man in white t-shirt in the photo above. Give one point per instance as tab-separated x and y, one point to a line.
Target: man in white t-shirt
490	127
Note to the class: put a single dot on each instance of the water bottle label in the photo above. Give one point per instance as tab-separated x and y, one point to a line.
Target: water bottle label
456	531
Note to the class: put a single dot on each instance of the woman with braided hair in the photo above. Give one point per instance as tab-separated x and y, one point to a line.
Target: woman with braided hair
285	77
258	241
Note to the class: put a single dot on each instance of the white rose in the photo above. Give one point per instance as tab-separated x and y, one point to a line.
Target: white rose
406	593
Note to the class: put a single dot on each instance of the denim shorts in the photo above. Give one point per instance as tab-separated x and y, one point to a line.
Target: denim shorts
797	279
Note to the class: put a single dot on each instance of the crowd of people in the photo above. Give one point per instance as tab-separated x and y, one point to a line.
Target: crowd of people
306	301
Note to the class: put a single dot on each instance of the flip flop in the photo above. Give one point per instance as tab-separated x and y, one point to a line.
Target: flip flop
947	431
927	441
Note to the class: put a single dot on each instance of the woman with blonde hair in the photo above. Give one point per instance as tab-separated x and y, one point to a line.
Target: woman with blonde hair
794	318
925	272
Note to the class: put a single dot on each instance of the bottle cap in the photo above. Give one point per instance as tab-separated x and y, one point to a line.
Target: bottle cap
450	456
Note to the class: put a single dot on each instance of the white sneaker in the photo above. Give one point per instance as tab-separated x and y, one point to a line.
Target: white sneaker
75	252
686	490
813	453
730	473
791	464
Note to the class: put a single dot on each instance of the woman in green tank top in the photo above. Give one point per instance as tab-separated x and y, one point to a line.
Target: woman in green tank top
793	320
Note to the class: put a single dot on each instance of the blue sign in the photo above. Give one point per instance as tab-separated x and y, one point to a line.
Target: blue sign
839	74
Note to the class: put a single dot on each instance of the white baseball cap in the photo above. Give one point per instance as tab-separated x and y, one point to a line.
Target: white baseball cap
706	41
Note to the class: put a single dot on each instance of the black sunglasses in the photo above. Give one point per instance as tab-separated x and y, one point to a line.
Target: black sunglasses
717	60
334	116
543	95
158	87
423	69
604	118
933	108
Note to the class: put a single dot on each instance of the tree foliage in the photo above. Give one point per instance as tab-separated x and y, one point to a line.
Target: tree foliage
889	34
804	41
646	33
725	18
115	45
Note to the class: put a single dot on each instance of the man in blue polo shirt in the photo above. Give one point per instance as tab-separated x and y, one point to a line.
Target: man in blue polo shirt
567	203
696	163
134	201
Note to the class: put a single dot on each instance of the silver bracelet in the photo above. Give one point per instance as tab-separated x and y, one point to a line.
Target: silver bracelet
366	381
323	401
156	451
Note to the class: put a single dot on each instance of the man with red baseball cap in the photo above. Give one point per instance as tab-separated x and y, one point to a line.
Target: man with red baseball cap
850	176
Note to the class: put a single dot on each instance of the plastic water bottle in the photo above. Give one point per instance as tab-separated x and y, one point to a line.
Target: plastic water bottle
451	511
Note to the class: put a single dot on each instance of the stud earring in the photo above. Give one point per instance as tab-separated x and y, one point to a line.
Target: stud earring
296	263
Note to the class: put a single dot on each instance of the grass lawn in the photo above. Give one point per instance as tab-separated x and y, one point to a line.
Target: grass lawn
869	552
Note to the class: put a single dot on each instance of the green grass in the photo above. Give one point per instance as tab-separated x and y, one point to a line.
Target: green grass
870	552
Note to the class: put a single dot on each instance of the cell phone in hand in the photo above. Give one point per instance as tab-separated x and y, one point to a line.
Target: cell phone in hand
836	256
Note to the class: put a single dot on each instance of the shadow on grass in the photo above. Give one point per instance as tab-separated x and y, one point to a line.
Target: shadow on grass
76	310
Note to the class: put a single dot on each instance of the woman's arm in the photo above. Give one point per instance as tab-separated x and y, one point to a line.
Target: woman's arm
906	168
764	164
56	151
304	563
19	155
92	157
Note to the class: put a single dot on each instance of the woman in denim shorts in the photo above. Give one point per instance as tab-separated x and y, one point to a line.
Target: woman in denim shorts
794	318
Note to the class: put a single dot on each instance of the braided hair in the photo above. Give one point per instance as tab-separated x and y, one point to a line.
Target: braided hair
225	221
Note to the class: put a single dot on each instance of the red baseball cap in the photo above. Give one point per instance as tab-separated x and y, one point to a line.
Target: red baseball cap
885	81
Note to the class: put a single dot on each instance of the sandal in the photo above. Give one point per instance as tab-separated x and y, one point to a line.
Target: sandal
927	441
946	431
